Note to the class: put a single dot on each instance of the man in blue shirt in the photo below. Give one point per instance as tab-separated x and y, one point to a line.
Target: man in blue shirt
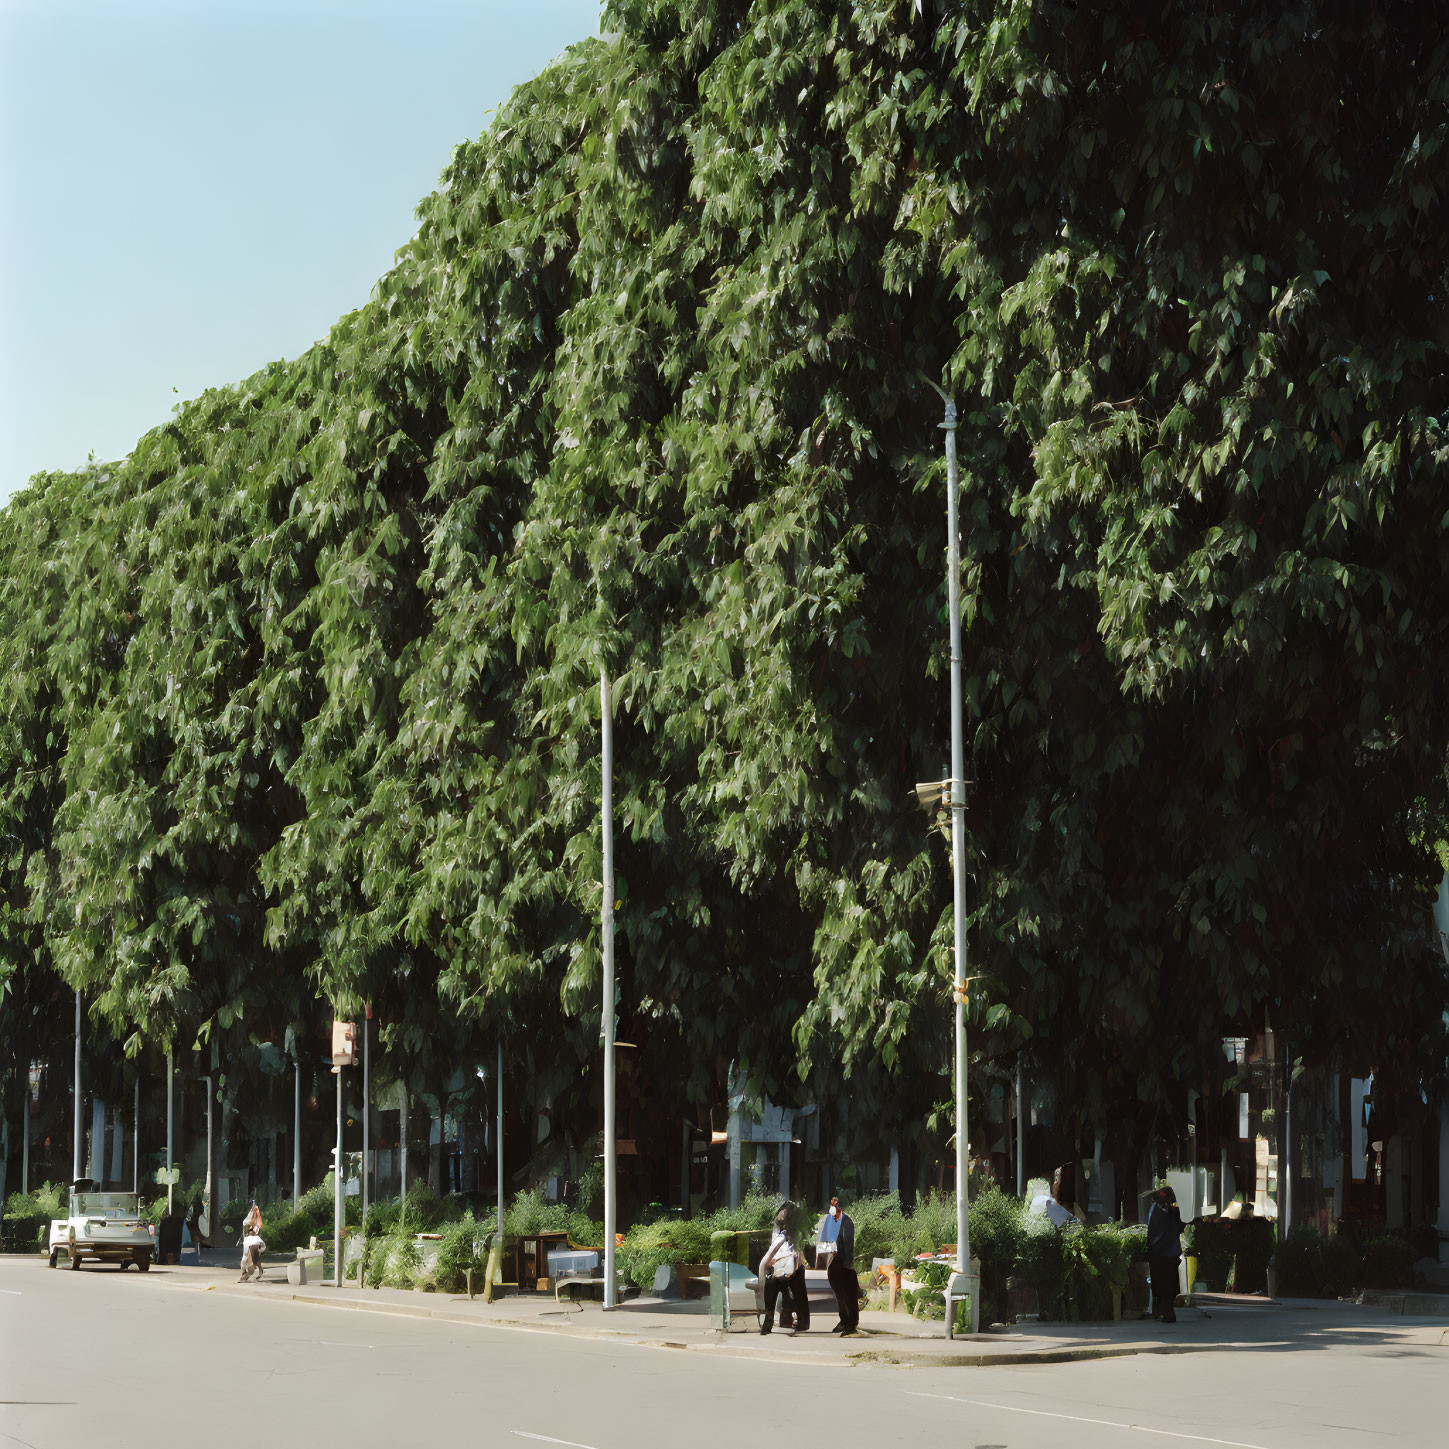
835	1244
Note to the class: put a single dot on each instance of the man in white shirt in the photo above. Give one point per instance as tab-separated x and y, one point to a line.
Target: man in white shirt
782	1271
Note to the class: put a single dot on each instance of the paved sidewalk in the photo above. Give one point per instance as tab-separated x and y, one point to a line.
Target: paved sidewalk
1219	1324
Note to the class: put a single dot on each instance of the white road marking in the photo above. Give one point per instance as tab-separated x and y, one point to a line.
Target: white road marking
1081	1419
13	1292
546	1439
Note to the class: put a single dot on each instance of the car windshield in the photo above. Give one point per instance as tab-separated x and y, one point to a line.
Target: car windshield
104	1205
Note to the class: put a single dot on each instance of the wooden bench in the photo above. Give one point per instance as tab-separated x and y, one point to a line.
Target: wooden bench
689	1273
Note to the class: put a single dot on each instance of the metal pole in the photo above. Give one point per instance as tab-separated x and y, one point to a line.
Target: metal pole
402	1181
25	1139
1020	1134
136	1140
337	1190
366	1087
1285	1156
76	1127
170	1134
297	1137
498	1143
607	707
207	1197
958	843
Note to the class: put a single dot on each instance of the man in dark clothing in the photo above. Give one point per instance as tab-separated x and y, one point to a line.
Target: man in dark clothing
835	1242
1164	1251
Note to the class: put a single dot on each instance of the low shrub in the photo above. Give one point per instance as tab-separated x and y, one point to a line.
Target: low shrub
932	1224
1312	1266
1086	1293
25	1220
1424	1239
464	1247
530	1213
1232	1256
649	1247
1254	1241
382	1218
880	1227
395	1259
1388	1262
290	1231
1041	1263
317	1202
1207	1240
24	1232
924	1300
49	1200
997	1223
392	1260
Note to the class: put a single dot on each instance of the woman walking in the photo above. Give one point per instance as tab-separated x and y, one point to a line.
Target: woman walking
252	1244
783	1271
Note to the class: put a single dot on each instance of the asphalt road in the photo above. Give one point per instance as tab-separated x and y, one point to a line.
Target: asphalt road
104	1358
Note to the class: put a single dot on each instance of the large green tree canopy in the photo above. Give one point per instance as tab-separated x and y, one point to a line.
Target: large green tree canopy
303	696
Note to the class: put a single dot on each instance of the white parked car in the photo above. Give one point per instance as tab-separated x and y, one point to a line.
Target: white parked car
106	1227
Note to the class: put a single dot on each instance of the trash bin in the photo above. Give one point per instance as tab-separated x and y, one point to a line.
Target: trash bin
719	1295
965	1286
168	1239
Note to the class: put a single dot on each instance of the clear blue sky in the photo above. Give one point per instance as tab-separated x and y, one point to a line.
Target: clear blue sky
190	189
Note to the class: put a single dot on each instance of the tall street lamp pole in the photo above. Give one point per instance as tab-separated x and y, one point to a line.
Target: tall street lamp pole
607	924
366	1096
958	837
954	791
296	1132
170	1133
498	1145
75	1171
337	1190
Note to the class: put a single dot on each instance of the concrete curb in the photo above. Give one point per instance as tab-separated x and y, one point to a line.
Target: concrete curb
865	1357
1042	1355
1407	1301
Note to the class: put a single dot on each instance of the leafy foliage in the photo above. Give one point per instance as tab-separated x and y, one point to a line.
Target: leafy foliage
301	698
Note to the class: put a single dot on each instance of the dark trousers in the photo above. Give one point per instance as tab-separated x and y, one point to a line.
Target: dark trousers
795	1308
1164	1286
846	1287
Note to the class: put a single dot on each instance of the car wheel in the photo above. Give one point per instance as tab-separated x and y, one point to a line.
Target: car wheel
53	1257
144	1264
74	1258
122	1264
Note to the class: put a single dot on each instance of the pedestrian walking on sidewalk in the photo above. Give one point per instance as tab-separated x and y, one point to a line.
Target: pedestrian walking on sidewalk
782	1270
252	1244
1164	1252
835	1244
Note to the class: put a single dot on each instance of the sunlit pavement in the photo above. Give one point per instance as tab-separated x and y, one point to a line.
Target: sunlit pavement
101	1357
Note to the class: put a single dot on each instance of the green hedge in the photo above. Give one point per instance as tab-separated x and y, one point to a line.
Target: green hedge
1232	1257
1352	1258
25	1220
1073	1270
24	1232
393	1259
